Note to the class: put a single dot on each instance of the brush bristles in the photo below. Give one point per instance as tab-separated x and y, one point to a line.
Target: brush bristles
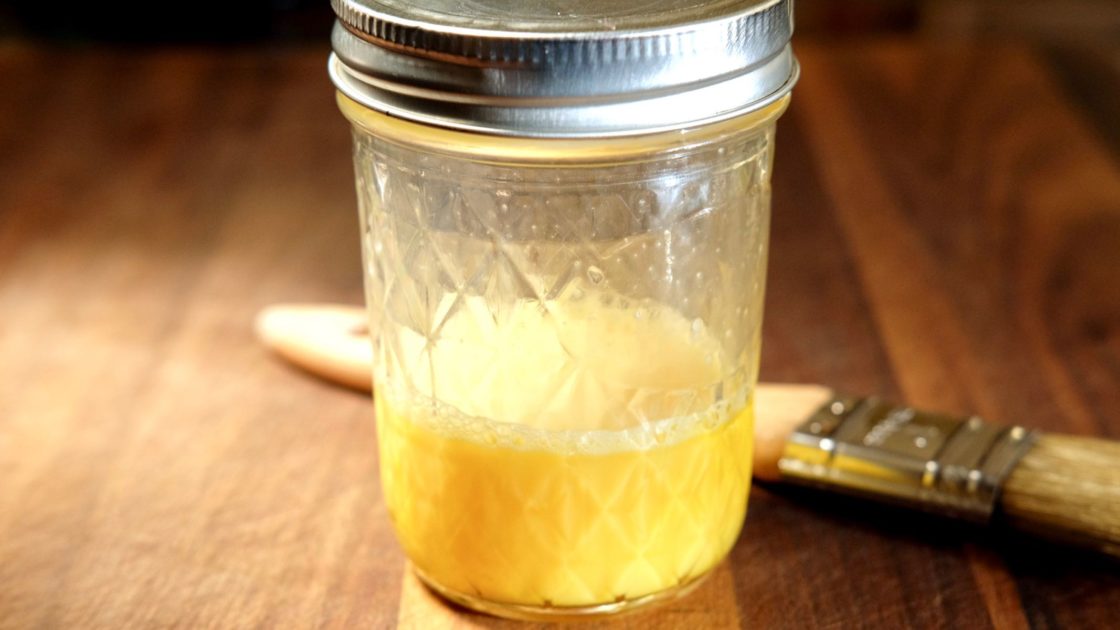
1068	487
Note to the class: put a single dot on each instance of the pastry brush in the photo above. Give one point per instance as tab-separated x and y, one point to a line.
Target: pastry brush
1062	487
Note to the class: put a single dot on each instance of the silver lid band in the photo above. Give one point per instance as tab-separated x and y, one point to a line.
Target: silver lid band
552	83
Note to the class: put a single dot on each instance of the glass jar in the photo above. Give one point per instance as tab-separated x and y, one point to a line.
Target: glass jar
565	308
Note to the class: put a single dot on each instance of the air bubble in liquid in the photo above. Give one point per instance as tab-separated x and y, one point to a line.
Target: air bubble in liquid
595	275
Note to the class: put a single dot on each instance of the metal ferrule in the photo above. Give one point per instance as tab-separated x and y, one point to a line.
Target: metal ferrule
939	463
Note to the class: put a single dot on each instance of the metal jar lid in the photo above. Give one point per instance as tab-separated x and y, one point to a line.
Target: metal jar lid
563	68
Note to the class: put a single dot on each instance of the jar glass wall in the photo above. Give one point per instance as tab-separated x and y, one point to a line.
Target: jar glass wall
566	342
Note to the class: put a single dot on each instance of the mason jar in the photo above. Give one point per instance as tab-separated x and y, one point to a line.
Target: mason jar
564	210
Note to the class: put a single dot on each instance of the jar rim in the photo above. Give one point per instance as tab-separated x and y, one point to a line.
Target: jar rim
591	151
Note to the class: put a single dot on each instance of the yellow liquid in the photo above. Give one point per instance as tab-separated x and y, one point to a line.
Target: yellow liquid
548	474
537	527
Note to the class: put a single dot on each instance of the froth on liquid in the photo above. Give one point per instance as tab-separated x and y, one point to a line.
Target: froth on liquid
579	453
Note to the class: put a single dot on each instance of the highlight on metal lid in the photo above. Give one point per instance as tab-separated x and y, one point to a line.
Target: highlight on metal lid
563	68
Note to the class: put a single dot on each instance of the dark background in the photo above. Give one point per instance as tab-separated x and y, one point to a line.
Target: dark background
1078	39
281	21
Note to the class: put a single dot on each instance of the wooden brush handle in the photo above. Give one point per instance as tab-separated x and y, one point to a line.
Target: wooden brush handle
1064	487
328	340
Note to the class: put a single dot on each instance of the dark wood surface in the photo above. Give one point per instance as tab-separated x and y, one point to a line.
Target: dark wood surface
946	231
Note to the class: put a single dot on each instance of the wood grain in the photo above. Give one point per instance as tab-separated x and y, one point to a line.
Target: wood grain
946	231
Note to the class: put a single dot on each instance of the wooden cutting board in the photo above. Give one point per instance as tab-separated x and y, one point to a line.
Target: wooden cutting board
946	231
